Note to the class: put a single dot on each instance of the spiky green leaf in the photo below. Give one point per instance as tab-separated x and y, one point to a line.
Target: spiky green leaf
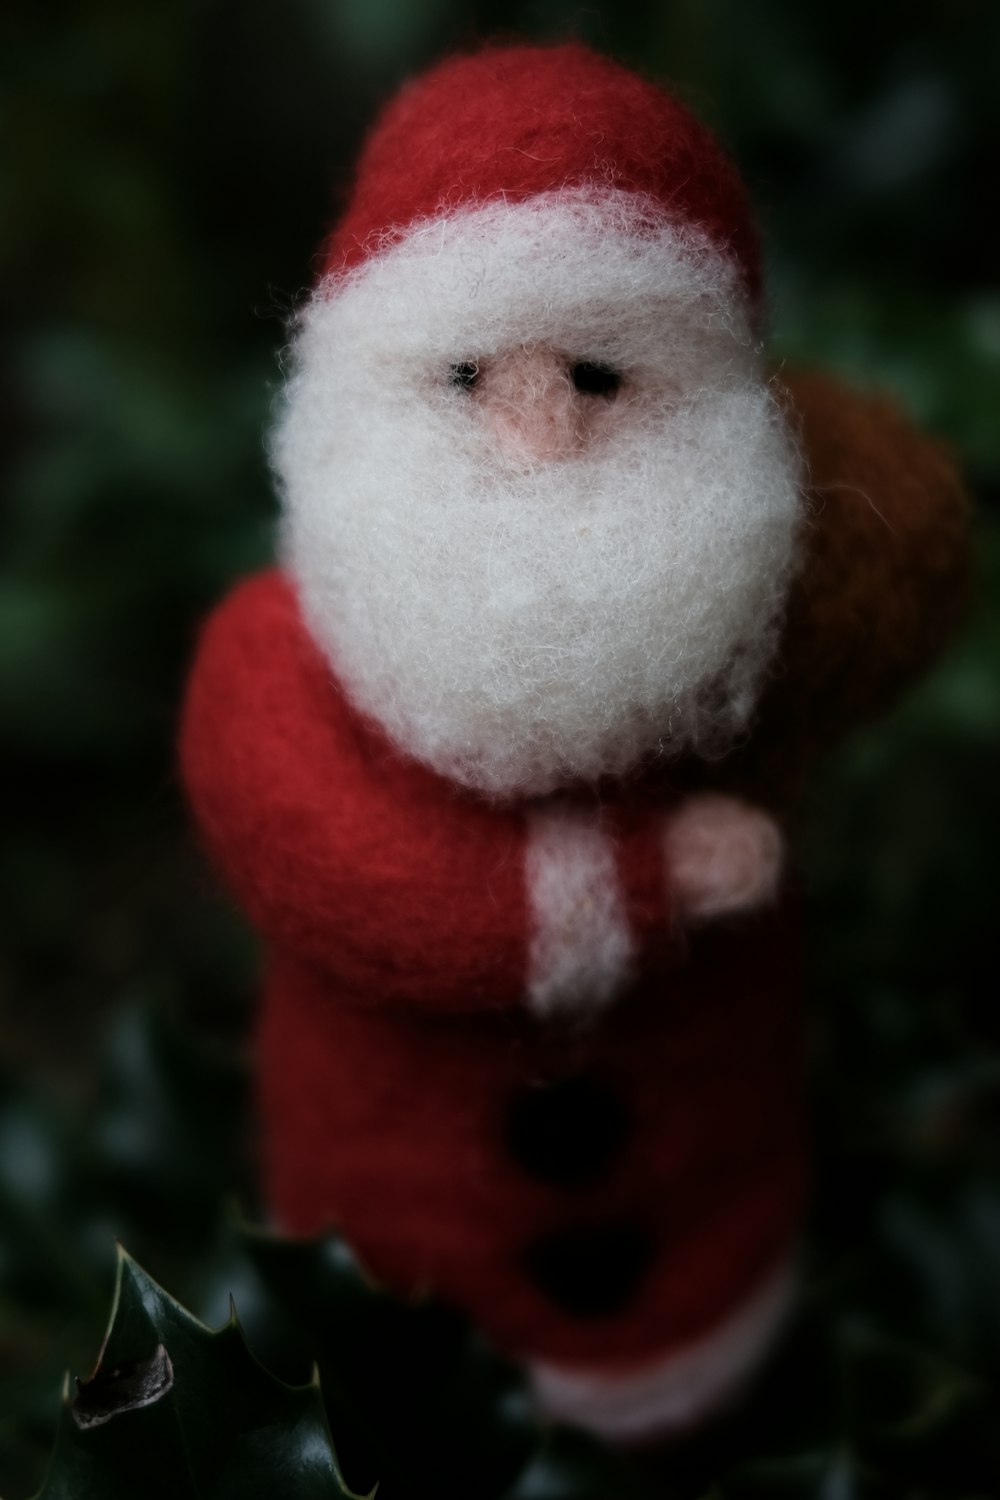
174	1409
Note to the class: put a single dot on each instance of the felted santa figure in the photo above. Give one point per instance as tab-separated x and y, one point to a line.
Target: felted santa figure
497	759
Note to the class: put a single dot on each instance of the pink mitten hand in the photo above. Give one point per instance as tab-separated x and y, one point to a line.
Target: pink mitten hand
722	856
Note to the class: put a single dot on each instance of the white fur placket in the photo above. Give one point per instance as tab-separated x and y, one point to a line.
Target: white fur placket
581	946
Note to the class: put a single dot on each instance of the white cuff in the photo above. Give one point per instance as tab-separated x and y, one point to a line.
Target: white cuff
672	1393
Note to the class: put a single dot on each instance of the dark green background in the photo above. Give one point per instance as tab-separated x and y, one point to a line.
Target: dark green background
168	172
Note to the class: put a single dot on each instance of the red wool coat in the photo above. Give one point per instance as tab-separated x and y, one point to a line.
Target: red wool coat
595	1193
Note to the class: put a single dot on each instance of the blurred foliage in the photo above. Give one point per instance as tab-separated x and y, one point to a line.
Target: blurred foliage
884	1387
415	1398
145	1158
168	171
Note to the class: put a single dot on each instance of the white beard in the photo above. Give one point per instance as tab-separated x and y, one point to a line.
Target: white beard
520	626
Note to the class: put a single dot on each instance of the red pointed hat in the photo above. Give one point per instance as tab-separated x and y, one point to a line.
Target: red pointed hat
511	122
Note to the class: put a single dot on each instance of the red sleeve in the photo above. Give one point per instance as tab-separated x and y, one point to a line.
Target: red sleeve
344	854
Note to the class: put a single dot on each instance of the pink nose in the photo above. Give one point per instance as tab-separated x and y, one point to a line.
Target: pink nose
533	406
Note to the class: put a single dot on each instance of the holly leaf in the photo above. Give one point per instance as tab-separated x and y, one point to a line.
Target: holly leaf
175	1409
416	1398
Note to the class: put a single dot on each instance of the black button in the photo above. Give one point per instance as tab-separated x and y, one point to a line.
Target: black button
591	1272
566	1133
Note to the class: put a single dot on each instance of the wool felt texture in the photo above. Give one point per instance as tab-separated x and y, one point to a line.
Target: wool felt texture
723	857
397	910
600	1193
884	577
671	1394
581	952
396	1050
521	621
513	122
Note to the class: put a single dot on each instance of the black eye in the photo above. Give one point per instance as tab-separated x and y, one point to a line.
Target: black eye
594	379
464	375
